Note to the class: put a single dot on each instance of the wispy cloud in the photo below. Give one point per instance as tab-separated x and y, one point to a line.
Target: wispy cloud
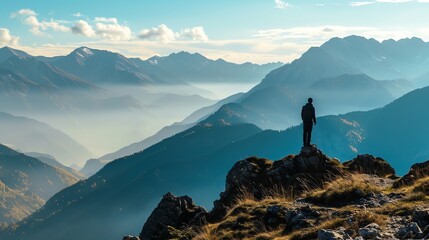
395	1
359	4
29	17
281	4
77	14
6	38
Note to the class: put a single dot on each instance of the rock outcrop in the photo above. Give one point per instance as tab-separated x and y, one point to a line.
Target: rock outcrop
417	171
172	212
260	177
272	197
370	165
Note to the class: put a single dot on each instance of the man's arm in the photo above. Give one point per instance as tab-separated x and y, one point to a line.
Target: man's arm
302	114
314	116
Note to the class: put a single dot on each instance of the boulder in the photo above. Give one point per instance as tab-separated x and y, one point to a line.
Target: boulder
172	211
411	231
369	164
417	171
370	231
257	177
328	235
421	217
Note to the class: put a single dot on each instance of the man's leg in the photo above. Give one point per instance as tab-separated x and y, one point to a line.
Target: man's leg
309	129
304	135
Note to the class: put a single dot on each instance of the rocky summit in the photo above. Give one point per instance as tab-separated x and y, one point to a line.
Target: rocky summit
304	196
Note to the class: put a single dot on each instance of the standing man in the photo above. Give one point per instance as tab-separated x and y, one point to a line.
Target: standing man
308	117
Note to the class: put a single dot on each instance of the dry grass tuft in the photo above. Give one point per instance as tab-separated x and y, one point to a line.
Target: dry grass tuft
363	218
343	190
311	233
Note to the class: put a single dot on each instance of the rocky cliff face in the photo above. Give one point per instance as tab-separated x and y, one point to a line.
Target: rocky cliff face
304	196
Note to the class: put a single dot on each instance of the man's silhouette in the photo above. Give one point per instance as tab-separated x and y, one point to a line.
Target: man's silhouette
308	117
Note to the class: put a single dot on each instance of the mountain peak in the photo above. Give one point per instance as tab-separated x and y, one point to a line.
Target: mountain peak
7	151
83	52
7	52
188	56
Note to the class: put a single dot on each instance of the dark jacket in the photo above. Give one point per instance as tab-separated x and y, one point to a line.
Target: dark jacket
308	113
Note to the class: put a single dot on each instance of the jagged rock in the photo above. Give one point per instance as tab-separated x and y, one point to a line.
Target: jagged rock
370	231
274	216
129	237
417	171
421	217
410	231
172	211
370	165
297	218
328	235
260	177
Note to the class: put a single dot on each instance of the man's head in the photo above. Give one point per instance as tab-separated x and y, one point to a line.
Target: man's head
310	100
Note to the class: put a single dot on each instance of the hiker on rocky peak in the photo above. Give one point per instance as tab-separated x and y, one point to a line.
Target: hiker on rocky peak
308	117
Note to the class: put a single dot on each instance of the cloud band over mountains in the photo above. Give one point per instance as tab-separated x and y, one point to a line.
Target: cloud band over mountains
103	28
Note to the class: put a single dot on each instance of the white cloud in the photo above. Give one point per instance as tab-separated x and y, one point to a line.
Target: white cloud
83	28
195	33
164	34
109	28
358	4
29	18
23	12
281	4
161	33
6	38
77	14
106	20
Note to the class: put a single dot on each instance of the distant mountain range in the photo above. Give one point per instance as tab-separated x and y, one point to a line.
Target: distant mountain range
26	184
195	68
50	160
349	69
50	83
29	135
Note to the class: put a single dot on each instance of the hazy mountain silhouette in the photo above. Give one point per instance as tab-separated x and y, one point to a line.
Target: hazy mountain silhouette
123	184
27	183
29	135
44	74
92	166
342	62
164	133
194	67
389	59
28	84
7	52
104	67
50	160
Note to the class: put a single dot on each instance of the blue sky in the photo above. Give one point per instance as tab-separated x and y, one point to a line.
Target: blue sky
252	30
